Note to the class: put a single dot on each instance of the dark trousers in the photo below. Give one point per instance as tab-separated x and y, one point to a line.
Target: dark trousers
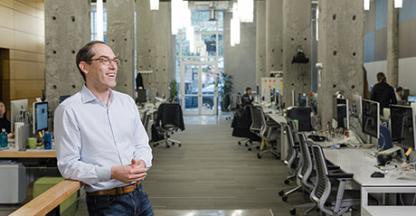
135	203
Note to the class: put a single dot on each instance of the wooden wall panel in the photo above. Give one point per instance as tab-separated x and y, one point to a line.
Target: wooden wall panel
22	30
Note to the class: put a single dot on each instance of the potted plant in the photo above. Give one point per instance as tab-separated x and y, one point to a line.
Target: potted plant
173	91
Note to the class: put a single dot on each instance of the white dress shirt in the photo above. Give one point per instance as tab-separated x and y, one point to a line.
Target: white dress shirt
91	137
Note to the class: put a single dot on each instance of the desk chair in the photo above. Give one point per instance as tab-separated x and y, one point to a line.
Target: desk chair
329	193
292	159
235	103
303	170
306	176
168	121
257	124
269	134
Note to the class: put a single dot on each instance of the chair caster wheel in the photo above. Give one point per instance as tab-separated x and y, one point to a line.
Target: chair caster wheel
167	146
284	198
173	143
239	143
258	147
249	149
281	193
286	182
292	211
258	155
179	145
246	144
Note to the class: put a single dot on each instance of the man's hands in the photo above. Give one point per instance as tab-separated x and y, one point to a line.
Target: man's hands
135	172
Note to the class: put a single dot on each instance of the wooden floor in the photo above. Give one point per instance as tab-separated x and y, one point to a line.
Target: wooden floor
210	172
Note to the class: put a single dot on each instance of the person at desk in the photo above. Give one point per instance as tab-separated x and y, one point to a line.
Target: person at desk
382	92
4	122
100	139
247	98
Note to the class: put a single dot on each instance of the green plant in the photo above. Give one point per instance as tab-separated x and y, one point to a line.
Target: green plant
173	90
225	89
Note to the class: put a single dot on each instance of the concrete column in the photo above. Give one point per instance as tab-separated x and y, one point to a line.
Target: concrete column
154	45
340	50
260	41
240	60
392	44
296	34
274	36
120	33
67	29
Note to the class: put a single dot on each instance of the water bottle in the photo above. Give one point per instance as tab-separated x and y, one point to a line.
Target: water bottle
3	139
47	140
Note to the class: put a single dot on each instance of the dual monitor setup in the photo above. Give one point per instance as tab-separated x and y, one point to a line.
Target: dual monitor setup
399	127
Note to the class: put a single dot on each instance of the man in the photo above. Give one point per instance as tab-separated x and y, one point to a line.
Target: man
247	98
383	92
100	139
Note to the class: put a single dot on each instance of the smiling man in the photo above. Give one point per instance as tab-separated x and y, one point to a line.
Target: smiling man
100	139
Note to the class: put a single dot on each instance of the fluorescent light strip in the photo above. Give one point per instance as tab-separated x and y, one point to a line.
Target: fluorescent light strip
366	5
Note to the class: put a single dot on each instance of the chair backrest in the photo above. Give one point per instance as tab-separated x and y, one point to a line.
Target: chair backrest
144	115
291	152
322	188
170	114
307	165
257	119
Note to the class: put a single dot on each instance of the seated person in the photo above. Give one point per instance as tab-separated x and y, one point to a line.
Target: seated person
247	98
4	122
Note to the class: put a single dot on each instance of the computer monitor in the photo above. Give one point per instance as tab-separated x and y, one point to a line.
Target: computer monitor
40	116
402	126
355	106
18	110
141	96
302	115
411	99
342	114
371	118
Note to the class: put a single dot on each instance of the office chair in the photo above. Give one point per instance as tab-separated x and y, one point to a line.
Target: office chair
235	103
303	169
146	121
329	193
293	162
169	120
306	176
257	124
270	134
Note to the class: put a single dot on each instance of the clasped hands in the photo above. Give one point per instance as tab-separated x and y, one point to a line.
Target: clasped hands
132	173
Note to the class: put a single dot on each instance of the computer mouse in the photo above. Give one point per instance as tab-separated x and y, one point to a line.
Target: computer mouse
377	175
317	138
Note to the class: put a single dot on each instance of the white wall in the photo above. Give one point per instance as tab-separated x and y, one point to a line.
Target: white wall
407	72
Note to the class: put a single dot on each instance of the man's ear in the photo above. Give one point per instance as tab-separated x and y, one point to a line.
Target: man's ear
83	66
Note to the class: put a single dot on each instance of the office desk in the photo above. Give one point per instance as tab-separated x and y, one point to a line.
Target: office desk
280	119
27	154
389	210
361	164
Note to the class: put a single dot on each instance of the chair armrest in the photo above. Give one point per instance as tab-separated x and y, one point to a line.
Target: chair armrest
341	175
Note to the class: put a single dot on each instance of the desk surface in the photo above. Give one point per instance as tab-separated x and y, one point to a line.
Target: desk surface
390	210
28	154
277	117
362	165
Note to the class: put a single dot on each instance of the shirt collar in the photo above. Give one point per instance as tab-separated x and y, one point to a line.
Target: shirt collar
88	96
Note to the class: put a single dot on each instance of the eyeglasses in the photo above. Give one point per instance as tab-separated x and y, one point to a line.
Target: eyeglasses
106	61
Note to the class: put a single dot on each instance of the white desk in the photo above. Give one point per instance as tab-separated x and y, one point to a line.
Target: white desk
280	119
389	210
362	165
